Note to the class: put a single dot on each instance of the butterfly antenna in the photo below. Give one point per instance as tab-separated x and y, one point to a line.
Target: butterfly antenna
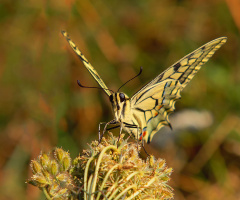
78	82
132	78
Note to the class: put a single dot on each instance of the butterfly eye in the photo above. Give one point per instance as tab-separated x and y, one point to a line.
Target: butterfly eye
111	98
122	97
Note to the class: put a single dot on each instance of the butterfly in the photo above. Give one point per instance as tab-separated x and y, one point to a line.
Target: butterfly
148	110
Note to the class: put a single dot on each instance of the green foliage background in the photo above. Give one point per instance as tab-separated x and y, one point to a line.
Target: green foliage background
41	105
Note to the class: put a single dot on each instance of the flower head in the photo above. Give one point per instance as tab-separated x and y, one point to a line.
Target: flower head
109	170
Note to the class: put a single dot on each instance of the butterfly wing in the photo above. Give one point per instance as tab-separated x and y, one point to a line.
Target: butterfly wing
152	105
87	64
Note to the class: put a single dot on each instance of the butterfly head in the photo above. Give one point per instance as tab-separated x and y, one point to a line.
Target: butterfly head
120	103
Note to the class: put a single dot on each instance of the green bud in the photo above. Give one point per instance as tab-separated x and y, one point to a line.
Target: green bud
36	167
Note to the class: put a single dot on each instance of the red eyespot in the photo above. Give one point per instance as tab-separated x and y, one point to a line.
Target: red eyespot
144	133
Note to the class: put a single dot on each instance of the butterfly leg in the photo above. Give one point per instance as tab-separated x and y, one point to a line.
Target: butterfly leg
105	128
120	132
99	131
142	140
144	148
137	139
137	127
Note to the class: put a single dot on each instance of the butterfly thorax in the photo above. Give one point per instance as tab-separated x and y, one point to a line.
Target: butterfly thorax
120	106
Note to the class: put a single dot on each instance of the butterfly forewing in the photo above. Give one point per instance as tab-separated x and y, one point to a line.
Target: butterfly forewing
87	64
156	100
187	67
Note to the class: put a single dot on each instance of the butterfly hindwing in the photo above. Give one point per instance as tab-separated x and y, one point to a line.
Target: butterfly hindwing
153	105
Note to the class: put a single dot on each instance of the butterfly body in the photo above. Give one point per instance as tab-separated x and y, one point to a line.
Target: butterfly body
120	106
147	110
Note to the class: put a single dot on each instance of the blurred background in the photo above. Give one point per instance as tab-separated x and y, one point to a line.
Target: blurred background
41	105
